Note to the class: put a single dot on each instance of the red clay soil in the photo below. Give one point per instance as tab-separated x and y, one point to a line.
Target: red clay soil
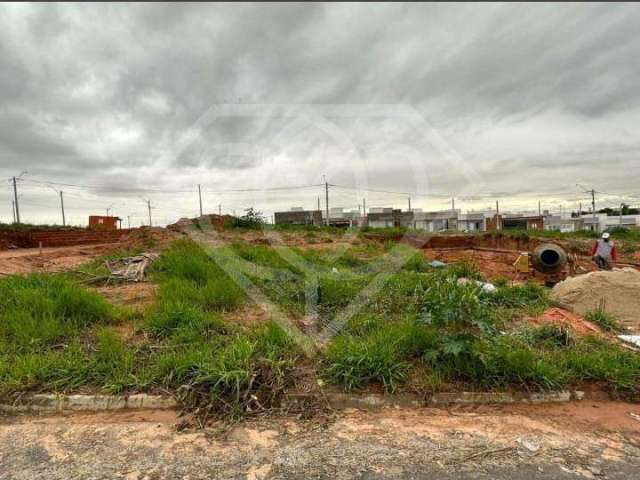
559	316
492	265
56	259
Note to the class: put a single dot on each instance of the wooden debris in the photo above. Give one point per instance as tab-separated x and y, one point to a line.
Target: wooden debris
131	269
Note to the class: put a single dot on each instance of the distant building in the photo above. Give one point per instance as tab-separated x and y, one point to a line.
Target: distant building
472	222
99	222
297	216
601	221
389	217
557	223
339	218
515	222
436	221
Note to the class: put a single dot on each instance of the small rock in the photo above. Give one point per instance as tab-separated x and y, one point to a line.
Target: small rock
594	470
530	445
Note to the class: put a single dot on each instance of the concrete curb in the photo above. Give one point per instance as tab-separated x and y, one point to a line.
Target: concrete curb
378	401
51	403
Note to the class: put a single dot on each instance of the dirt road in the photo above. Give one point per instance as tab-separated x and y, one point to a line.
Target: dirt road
586	440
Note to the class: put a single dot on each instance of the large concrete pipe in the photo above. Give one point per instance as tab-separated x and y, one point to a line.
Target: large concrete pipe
548	258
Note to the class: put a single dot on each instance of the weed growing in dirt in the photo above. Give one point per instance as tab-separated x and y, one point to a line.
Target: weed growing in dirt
605	320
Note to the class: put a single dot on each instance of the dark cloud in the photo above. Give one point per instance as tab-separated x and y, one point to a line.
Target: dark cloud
546	93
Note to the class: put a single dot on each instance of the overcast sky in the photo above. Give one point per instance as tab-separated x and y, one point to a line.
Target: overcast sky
481	102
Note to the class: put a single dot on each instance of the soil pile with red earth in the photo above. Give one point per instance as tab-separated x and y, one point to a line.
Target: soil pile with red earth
185	225
558	316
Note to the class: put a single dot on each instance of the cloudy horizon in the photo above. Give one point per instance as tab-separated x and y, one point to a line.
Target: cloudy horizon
118	104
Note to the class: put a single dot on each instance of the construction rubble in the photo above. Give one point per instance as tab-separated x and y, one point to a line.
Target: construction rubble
130	269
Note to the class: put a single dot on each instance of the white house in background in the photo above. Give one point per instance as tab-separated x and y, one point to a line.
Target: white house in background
472	222
603	221
435	221
559	224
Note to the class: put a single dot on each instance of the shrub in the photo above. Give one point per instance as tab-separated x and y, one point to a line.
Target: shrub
456	307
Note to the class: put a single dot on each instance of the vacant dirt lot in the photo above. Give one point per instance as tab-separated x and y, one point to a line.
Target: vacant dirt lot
585	440
55	259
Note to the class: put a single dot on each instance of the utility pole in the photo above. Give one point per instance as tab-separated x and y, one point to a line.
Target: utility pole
593	204
319	204
13	210
497	207
15	199
149	208
409	203
326	193
539	208
64	221
200	196
364	207
453	204
219	210
593	208
621	207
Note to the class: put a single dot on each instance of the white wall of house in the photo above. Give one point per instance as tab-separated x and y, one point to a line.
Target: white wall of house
380	223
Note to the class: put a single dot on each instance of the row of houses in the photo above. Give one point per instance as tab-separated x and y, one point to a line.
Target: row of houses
454	219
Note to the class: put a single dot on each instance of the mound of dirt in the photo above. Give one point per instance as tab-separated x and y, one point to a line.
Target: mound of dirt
218	222
619	289
558	316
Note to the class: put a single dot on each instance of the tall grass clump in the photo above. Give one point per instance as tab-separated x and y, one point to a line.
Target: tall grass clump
40	309
605	320
247	372
186	272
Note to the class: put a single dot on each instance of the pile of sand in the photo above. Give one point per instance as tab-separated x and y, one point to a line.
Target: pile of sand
620	289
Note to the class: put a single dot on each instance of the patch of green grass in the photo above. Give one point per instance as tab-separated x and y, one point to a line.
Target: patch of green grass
529	296
356	361
262	255
40	309
605	320
598	360
168	318
187	272
468	270
247	371
107	365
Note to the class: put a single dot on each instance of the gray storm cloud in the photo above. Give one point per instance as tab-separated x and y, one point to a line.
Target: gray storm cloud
532	98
